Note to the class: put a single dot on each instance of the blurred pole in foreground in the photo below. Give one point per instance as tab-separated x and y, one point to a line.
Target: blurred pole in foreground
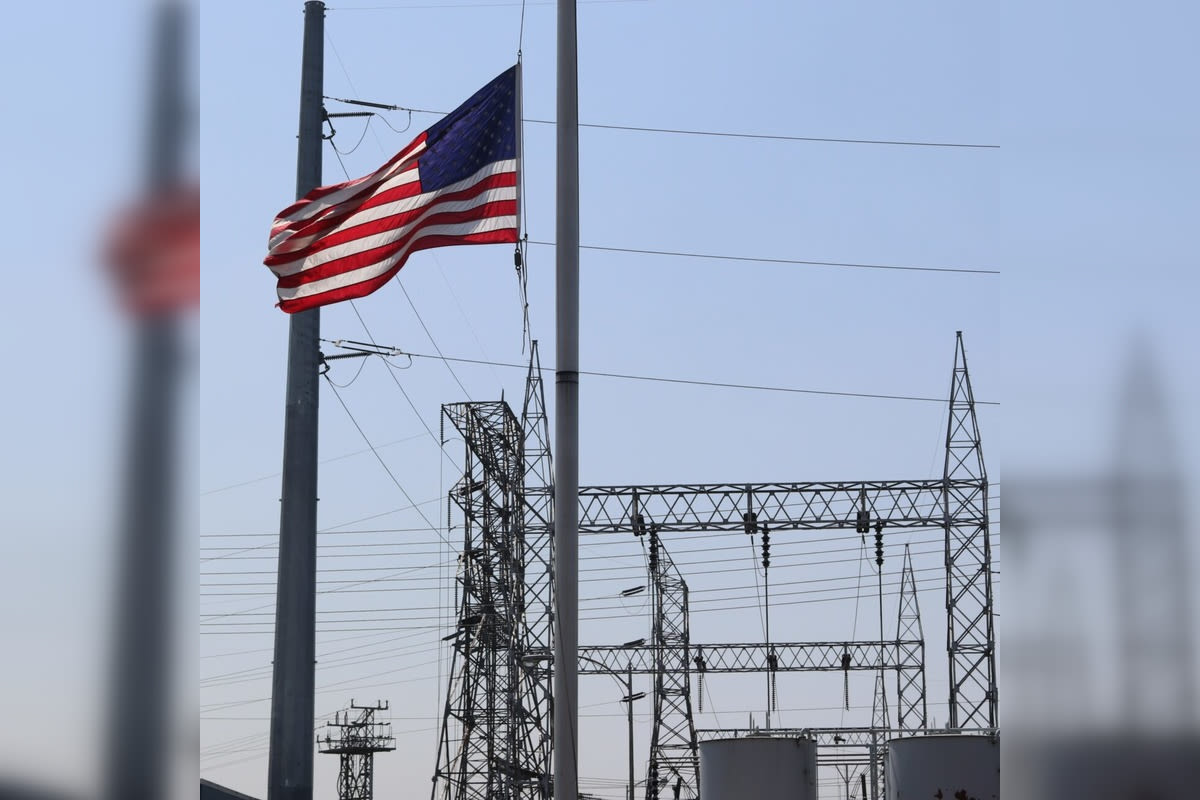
290	763
1157	667
153	255
1105	634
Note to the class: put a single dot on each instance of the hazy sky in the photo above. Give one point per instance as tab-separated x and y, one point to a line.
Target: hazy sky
1086	208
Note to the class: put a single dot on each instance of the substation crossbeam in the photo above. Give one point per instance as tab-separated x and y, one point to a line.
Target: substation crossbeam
718	507
745	658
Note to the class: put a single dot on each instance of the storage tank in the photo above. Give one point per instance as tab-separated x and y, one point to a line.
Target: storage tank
949	766
758	767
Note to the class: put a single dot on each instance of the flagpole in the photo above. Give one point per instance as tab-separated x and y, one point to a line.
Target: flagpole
290	765
566	423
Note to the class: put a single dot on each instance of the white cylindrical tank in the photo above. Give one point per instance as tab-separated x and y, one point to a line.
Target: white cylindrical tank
949	766
758	768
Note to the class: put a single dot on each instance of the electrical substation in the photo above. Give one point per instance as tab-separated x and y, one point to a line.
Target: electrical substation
494	741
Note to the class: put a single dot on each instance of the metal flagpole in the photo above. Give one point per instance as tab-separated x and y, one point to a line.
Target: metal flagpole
566	421
290	769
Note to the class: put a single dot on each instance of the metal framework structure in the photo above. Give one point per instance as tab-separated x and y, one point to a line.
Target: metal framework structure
538	522
355	737
970	633
911	709
538	509
858	656
495	734
674	757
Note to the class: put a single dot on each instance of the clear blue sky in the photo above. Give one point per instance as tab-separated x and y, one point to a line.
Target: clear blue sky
1087	208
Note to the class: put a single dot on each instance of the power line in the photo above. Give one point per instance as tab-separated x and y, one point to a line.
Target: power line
696	132
348	344
597	599
441	445
756	260
591	542
425	327
383	463
324	461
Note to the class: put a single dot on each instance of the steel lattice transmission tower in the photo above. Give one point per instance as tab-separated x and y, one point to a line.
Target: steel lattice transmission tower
970	632
539	556
674	758
495	735
355	737
910	682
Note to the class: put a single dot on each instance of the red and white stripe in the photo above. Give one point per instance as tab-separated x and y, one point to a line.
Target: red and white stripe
346	240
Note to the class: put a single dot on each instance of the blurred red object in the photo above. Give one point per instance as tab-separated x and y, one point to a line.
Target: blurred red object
153	253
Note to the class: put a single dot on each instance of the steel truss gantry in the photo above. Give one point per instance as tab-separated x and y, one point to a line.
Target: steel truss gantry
958	503
864	656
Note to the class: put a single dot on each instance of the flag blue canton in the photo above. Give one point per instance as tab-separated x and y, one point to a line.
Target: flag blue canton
480	131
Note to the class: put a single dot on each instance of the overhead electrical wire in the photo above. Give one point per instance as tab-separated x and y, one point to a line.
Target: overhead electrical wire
383	463
694	131
350	345
784	557
590	541
732	594
322	461
674	552
763	260
354	307
432	341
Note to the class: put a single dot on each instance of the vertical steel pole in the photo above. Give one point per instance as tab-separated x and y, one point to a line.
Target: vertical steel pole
767	635
874	765
566	423
290	770
629	700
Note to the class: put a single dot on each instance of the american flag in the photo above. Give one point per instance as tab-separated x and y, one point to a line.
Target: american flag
456	183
